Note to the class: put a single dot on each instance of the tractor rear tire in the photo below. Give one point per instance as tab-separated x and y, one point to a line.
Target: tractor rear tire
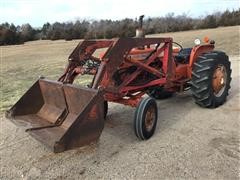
159	93
211	77
145	119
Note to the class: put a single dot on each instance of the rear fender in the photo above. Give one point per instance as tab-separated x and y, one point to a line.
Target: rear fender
197	51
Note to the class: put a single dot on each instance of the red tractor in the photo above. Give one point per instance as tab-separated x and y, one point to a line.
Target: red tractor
63	115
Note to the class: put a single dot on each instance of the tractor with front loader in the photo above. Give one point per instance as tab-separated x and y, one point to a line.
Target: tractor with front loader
64	116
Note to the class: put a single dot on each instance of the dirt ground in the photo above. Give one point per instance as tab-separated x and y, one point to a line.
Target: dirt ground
190	142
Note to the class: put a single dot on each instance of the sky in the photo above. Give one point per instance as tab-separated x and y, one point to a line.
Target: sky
38	12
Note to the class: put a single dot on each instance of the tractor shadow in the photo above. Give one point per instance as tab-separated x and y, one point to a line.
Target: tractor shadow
119	123
234	90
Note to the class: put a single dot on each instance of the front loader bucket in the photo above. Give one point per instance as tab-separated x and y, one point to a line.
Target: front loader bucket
61	116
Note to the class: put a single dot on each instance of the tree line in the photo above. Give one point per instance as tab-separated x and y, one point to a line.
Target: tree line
93	29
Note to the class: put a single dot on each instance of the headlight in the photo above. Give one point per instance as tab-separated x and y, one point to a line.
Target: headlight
197	41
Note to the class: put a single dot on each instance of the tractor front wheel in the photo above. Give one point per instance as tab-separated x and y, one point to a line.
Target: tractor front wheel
145	119
211	77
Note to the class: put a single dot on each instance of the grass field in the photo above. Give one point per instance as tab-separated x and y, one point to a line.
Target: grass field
21	65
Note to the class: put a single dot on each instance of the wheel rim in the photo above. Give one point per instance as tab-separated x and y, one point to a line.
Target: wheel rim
150	119
219	80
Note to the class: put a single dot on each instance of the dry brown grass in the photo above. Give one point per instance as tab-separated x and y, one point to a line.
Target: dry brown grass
22	64
227	38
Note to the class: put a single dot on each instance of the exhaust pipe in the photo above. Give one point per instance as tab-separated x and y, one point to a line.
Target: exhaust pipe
139	31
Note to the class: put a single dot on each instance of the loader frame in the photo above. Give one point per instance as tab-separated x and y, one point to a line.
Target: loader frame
117	56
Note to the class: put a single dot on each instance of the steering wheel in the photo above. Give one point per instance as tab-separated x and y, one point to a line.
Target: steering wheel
179	45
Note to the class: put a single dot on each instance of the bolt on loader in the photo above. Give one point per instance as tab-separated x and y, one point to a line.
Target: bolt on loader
64	116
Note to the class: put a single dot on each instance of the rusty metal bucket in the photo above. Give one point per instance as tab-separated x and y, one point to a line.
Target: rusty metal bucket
61	116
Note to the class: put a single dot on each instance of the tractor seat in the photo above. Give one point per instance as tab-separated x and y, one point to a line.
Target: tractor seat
183	56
